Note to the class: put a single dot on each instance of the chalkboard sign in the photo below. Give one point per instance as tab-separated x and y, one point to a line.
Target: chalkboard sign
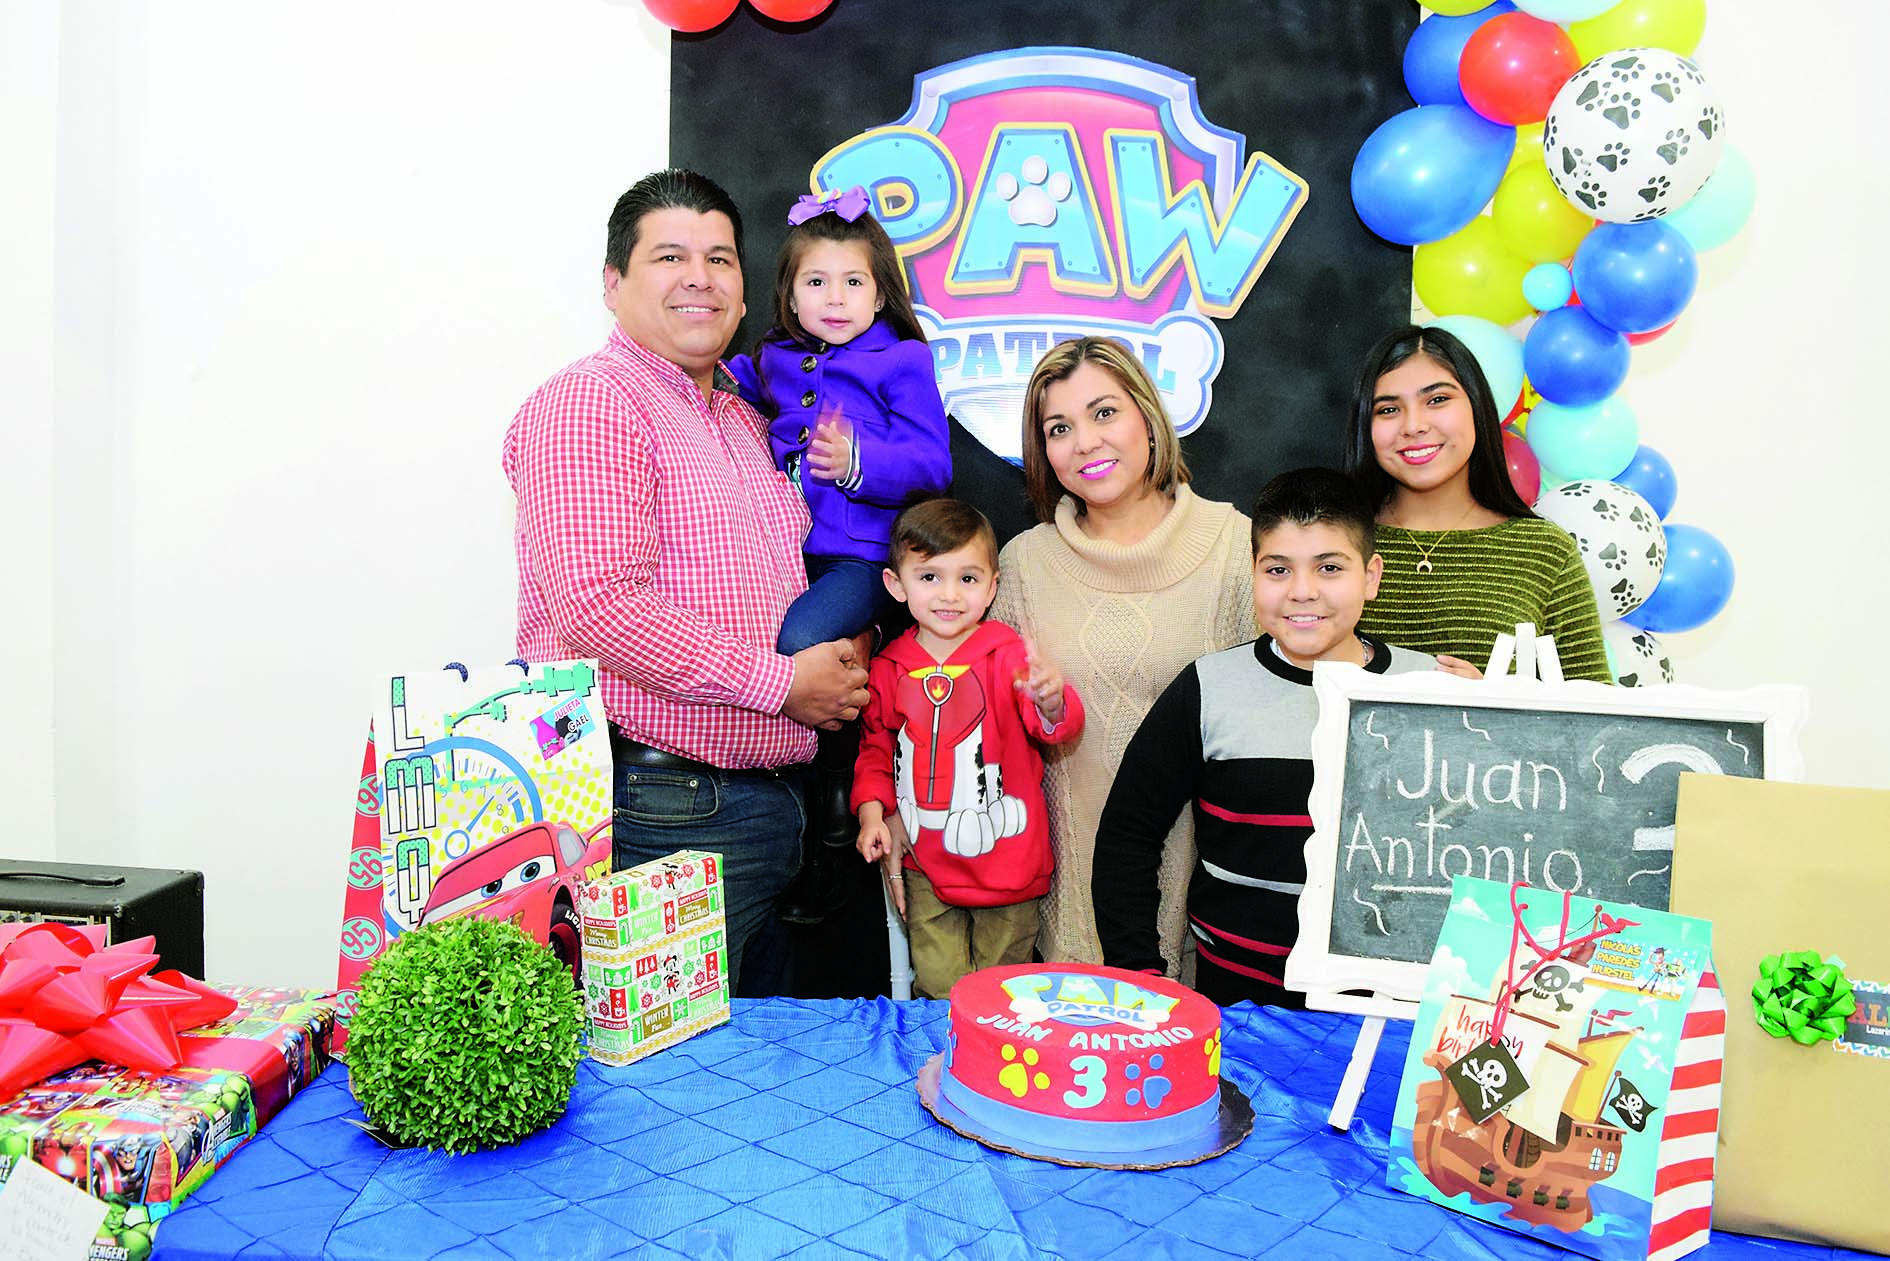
1568	787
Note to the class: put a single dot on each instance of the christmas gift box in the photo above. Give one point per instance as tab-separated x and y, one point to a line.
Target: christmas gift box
482	792
655	956
1563	1076
144	1141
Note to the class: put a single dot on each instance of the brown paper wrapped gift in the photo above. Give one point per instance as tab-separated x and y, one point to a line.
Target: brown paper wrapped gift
1804	1131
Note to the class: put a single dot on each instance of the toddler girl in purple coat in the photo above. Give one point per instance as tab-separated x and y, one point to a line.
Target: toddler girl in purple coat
855	420
846	379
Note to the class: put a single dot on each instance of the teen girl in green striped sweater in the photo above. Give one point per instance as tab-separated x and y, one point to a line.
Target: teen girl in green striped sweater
1465	558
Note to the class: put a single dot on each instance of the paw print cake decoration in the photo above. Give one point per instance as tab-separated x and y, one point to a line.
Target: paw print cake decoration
1085	1065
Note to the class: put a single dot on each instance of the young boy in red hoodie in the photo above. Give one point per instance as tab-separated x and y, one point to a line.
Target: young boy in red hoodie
946	744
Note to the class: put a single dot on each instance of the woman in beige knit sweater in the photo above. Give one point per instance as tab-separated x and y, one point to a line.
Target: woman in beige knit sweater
1129	578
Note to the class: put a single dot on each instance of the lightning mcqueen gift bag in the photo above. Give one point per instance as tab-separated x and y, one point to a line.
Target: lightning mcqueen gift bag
1563	1077
483	792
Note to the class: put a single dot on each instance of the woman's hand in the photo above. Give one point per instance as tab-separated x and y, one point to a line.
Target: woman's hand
1458	666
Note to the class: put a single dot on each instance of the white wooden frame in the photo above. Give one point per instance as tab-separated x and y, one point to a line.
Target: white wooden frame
1311	967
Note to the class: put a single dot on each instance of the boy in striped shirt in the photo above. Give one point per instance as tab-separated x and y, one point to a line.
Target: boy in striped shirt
1231	739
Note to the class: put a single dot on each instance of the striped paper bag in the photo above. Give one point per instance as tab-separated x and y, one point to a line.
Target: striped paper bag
1564	1075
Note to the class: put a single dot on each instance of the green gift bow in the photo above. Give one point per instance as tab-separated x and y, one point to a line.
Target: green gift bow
1800	996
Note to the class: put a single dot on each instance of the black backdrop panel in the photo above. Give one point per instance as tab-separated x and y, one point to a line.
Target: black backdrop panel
756	104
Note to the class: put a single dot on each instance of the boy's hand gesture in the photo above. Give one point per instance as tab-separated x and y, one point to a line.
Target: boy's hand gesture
1043	683
830	453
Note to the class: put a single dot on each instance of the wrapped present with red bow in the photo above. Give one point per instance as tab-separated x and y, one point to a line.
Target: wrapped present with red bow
143	1141
67	997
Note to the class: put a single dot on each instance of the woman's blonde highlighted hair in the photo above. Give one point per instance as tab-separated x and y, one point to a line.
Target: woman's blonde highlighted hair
1166	467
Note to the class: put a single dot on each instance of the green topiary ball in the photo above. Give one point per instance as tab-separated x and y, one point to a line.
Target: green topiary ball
466	1036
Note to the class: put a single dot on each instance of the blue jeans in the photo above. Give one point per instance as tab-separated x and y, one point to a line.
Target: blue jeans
753	821
844	596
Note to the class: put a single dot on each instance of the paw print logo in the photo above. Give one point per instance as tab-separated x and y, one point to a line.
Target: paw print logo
1589	95
1607	511
1591	194
1642	520
1611	558
1571	159
1676	147
1622	597
1035	200
1664	86
1016	1077
1612	155
1152	1090
1213	1049
1709	122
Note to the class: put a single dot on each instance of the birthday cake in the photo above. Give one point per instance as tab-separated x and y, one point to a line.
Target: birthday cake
1079	1058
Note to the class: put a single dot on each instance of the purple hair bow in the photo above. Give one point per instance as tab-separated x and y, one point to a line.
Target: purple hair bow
849	205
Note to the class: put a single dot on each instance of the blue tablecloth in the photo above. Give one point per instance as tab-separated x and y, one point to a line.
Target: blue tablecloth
796	1130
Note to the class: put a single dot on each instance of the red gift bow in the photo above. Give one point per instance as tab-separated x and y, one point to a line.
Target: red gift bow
67	997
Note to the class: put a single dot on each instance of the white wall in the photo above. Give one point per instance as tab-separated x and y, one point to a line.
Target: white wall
1763	394
308	262
304	263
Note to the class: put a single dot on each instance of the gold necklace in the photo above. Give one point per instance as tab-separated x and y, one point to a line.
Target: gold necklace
1424	565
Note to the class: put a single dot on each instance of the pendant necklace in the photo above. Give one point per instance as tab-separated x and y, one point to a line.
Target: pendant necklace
1424	565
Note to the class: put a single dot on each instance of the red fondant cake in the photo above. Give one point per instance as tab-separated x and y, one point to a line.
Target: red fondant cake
1083	1058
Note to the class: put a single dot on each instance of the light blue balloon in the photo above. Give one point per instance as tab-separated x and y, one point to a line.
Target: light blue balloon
1565	10
1497	351
1547	286
1425	173
1694	586
1596	441
1714	215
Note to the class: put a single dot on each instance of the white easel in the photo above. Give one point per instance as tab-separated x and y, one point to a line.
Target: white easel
1534	658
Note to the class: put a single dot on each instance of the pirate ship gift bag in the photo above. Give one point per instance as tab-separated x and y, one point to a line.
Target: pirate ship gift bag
1563	1076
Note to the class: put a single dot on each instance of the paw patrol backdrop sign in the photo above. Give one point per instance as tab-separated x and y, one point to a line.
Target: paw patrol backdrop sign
1040	193
1173	176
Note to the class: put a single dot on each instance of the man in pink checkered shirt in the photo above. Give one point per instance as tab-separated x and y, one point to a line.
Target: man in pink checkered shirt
655	534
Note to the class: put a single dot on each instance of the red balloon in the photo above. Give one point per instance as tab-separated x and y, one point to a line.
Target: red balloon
791	10
690	16
1525	474
1512	67
1641	339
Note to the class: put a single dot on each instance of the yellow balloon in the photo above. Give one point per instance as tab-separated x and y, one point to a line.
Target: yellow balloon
1670	24
1471	272
1455	8
1533	218
1528	144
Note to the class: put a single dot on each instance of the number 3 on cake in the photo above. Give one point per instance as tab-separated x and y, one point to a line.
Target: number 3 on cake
1089	1074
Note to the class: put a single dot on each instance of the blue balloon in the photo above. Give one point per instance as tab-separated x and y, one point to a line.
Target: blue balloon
1693	588
1650	476
1572	360
1428	171
1547	286
1635	277
1431	57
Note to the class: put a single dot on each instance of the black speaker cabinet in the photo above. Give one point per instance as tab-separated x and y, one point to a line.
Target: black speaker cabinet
133	901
